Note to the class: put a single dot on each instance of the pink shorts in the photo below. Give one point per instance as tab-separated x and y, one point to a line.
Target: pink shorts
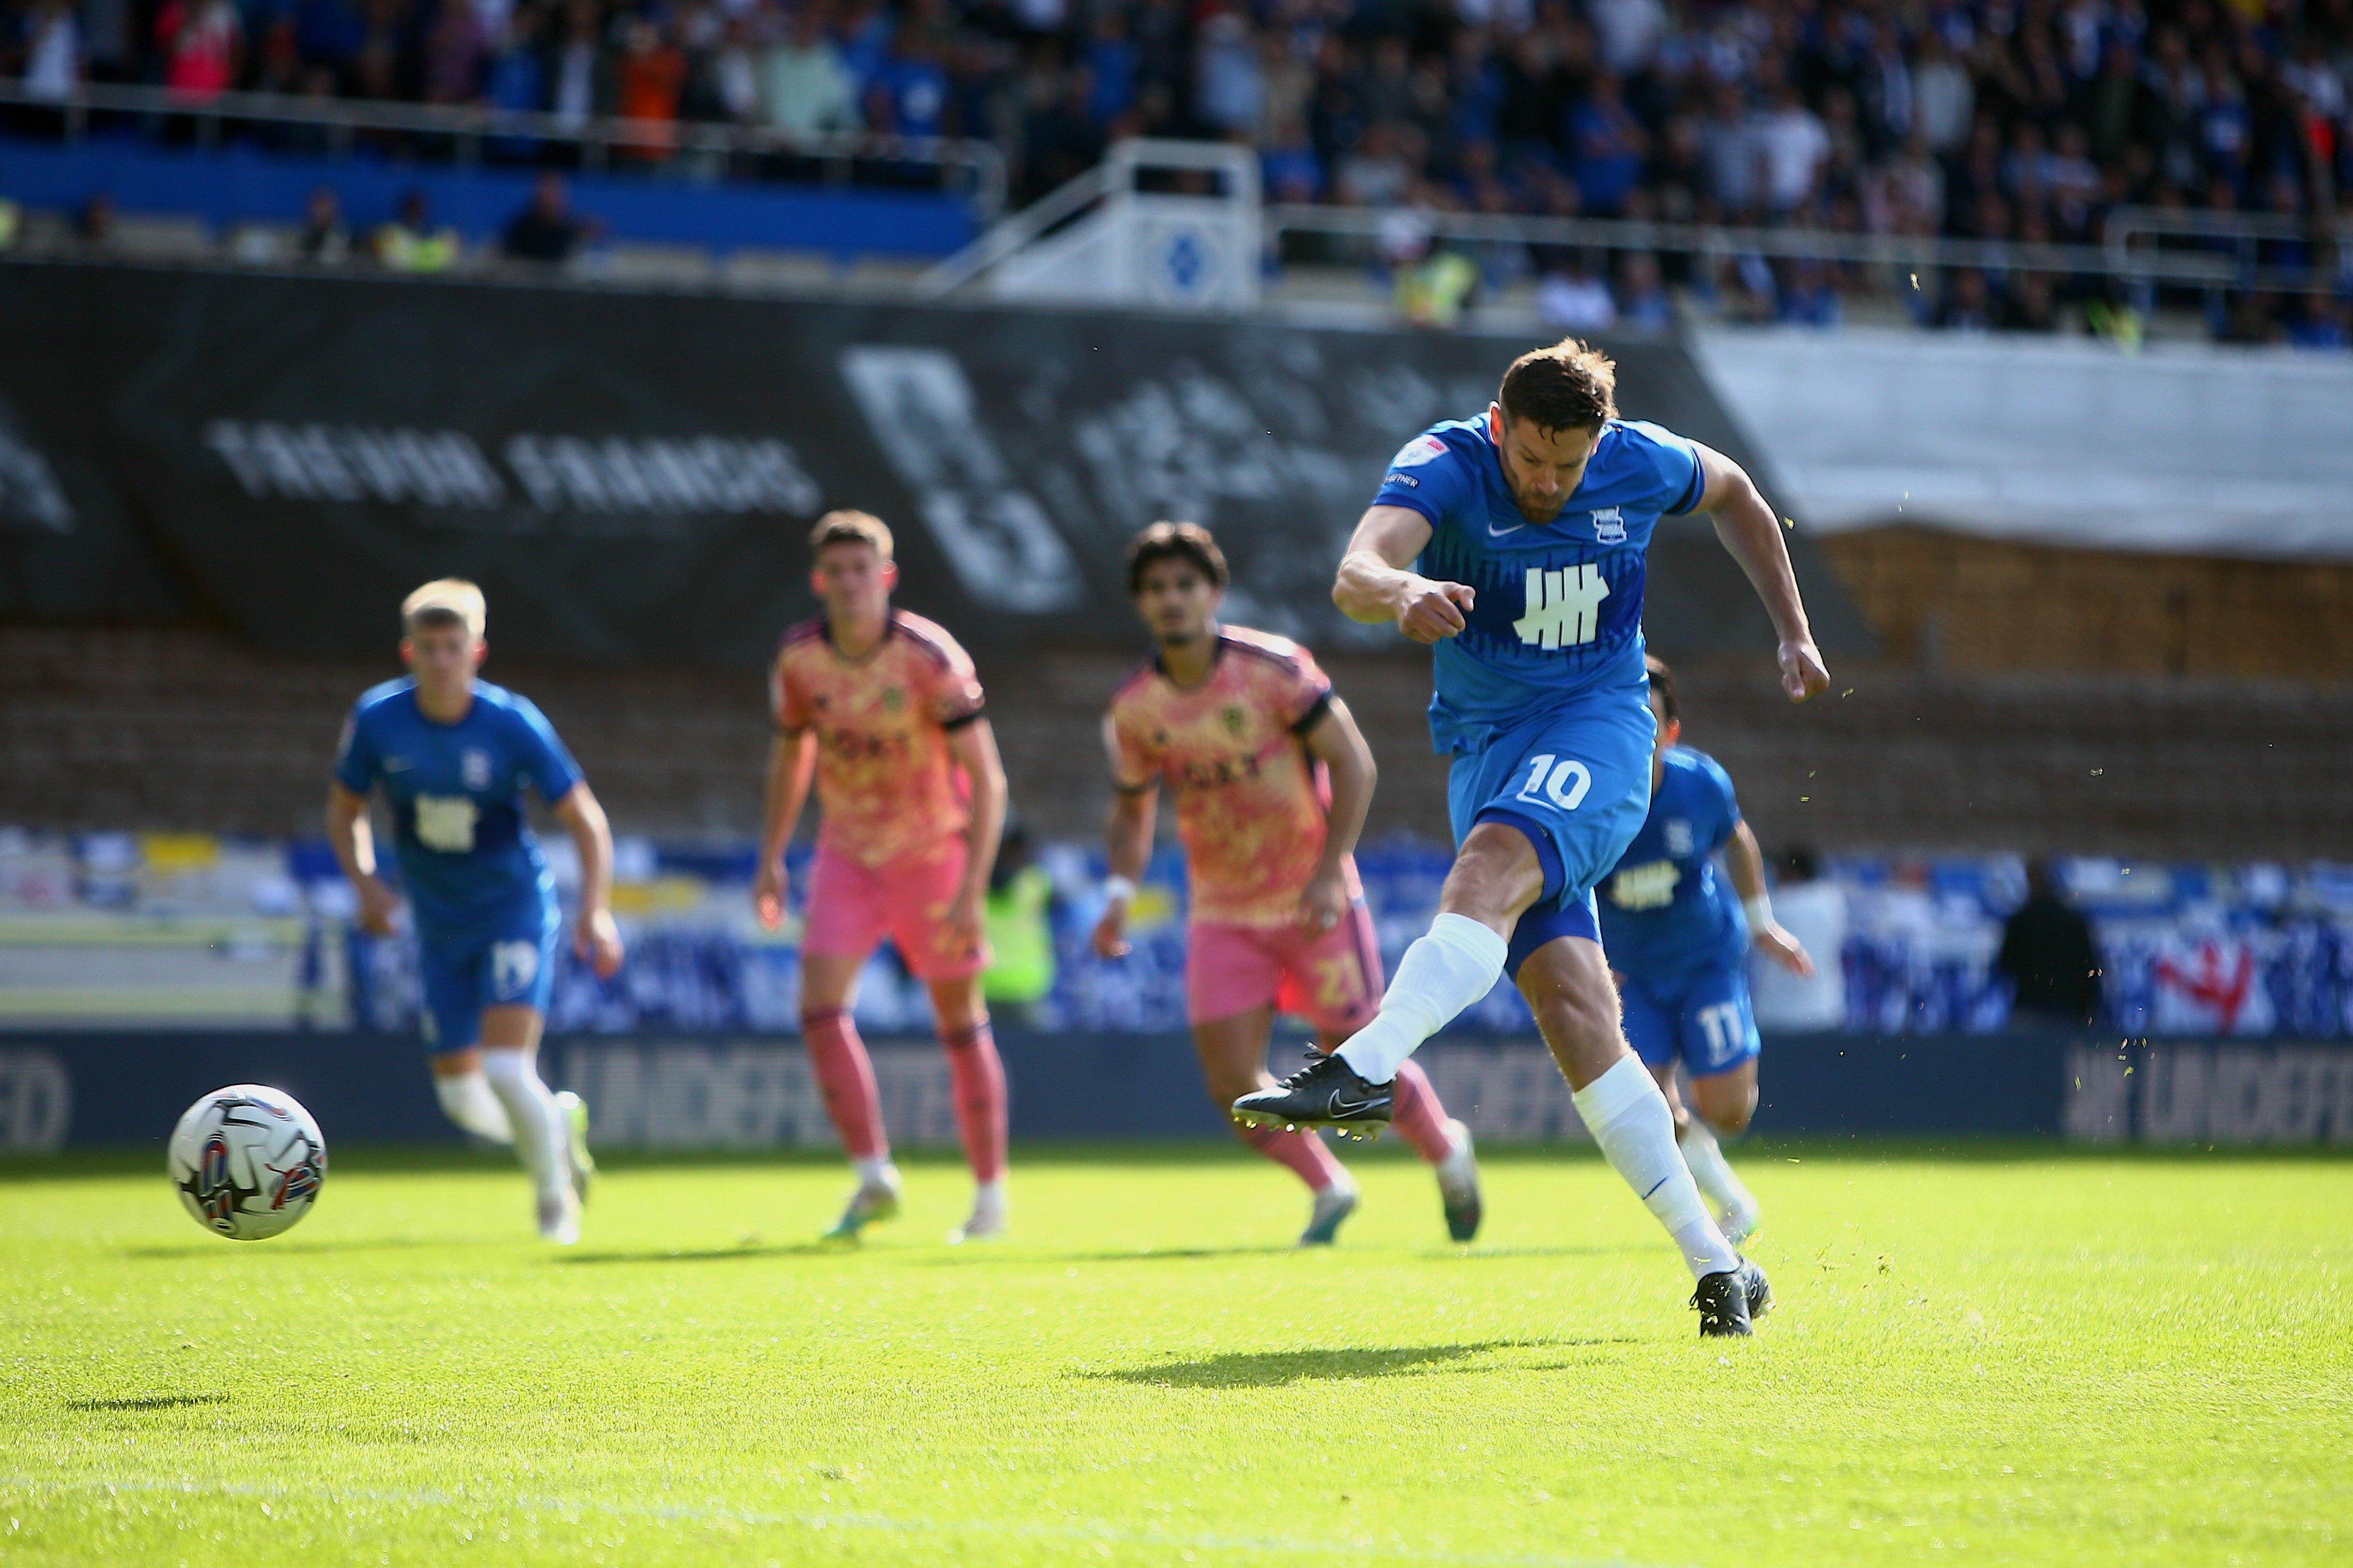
1332	979
851	908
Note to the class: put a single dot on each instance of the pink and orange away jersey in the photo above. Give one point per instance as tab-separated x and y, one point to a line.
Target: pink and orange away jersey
1253	802
886	780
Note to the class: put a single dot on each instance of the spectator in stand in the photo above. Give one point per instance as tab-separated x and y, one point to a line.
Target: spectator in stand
547	231
412	242
581	82
2320	325
650	79
1813	911
908	94
1611	146
1572	299
325	239
204	44
2049	958
1642	302
804	88
455	50
52	51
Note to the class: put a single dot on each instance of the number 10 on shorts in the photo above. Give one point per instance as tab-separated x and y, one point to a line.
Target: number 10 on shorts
1562	781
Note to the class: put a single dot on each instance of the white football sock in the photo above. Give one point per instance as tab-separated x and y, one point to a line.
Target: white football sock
1710	1170
1628	1118
876	1171
541	1136
1454	965
466	1099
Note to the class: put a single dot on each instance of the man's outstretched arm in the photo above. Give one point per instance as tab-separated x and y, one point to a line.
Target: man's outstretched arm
1753	534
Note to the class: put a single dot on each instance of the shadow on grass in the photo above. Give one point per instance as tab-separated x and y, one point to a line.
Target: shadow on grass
1276	1369
718	1254
277	1246
148	1402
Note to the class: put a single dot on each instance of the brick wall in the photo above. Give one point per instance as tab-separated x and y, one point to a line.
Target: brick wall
1948	601
184	730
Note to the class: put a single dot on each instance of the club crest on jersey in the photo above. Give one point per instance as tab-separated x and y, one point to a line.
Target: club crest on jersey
1235	720
1417	451
1609	527
893	699
1679	838
475	767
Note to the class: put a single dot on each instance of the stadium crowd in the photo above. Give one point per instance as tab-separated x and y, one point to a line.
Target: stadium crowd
2019	120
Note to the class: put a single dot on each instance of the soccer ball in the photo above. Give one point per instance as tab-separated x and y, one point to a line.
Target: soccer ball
248	1162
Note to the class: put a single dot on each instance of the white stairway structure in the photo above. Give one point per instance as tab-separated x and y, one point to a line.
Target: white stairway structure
1101	240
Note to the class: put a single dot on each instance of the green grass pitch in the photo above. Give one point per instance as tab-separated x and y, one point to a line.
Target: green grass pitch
2037	1358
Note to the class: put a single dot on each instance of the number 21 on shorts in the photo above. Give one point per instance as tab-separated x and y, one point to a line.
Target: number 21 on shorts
1563	781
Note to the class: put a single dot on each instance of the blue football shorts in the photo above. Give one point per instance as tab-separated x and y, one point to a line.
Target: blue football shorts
1576	781
507	962
1702	1020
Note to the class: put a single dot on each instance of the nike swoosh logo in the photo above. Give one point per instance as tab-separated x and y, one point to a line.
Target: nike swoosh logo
1339	1107
1494	533
394	765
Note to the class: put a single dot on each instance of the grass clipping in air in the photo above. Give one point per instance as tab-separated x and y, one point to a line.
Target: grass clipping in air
2040	1360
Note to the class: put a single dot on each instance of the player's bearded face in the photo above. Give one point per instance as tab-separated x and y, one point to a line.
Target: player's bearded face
1544	467
1176	601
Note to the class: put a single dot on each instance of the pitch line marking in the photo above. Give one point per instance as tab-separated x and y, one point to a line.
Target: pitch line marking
688	1513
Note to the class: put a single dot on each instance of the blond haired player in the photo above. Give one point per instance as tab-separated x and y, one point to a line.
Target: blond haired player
453	755
1272	779
882	710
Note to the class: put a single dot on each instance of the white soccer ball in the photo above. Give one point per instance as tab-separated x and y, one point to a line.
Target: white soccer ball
248	1162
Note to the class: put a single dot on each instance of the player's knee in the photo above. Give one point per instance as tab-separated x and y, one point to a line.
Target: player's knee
1576	1015
1726	1106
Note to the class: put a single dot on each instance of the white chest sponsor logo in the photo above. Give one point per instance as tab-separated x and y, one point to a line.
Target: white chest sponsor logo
1609	527
1651	887
1564	607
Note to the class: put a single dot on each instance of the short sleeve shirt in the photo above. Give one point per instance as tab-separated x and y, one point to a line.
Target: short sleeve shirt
1665	912
1558	612
465	848
1253	803
887	782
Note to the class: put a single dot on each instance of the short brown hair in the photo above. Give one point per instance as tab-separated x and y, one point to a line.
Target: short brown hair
1567	386
850	528
1174	541
1662	681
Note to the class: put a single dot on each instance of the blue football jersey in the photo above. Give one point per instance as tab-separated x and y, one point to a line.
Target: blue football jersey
1559	610
467	853
1665	912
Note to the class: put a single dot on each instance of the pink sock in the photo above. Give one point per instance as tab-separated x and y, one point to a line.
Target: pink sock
1302	1152
838	1058
1417	1116
978	1079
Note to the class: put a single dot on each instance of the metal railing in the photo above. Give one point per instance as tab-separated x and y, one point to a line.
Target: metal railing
2246	235
2116	257
467	131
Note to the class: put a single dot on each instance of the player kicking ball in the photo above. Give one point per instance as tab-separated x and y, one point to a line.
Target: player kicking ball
1680	948
882	709
1272	780
453	755
1513	543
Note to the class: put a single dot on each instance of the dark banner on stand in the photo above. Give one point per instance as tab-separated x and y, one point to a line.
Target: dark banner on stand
631	476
